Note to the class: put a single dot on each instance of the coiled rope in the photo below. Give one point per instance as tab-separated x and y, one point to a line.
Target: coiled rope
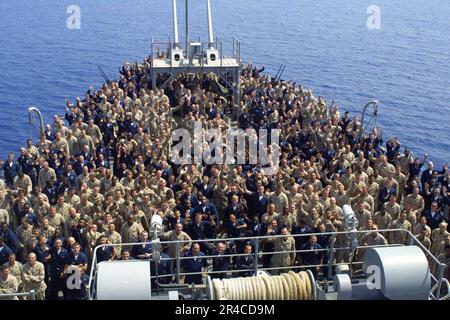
287	286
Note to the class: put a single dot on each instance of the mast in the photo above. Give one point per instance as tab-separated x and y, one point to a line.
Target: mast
175	24
210	29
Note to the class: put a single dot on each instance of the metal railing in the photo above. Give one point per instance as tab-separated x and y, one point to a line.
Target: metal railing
31	294
224	48
437	280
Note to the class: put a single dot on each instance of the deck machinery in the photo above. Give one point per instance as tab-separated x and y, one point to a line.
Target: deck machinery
384	272
388	272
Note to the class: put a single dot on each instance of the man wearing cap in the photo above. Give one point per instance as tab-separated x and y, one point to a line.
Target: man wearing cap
8	283
15	269
423	238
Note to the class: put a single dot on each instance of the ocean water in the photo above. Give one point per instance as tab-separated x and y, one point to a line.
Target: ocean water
326	45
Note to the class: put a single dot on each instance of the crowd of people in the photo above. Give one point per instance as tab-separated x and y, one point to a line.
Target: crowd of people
102	172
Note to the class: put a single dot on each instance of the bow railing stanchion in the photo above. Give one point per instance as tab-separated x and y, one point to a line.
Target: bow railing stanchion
34	110
373	117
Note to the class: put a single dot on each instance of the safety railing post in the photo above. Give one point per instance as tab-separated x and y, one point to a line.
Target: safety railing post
256	255
439	278
178	262
331	257
234	49
221	54
412	240
151	49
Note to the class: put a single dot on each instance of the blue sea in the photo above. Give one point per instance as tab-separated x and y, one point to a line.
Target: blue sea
325	45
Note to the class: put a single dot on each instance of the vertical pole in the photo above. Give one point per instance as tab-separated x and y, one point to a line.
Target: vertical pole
221	54
210	29
153	78
256	255
237	89
331	257
202	60
171	56
187	28
439	278
151	49
175	24
411	239
234	48
238	51
178	262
